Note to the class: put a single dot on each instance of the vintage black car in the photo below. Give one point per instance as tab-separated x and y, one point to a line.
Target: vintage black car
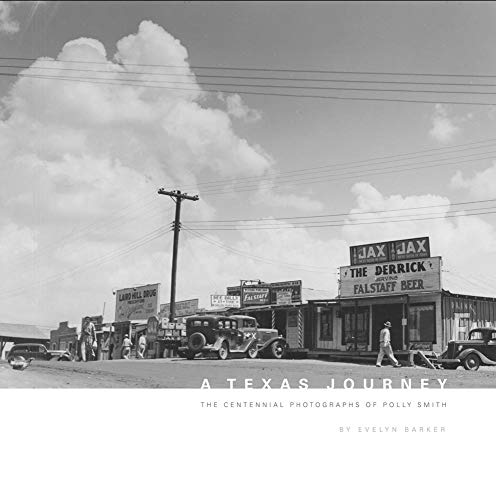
37	351
226	336
479	349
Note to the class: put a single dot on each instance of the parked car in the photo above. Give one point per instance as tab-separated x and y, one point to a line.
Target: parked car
269	343
214	335
479	349
37	351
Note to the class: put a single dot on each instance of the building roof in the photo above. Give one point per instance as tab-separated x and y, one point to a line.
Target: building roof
16	331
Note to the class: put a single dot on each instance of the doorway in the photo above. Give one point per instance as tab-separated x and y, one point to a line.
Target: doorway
280	320
387	312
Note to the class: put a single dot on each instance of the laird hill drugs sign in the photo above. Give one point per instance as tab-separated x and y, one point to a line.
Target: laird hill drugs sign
392	278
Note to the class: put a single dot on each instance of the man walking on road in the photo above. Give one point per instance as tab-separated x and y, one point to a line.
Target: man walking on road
385	348
142	346
87	338
126	347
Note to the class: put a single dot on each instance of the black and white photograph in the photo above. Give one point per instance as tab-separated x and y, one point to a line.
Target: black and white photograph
255	234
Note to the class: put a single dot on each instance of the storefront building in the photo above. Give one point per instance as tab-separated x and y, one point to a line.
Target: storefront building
400	282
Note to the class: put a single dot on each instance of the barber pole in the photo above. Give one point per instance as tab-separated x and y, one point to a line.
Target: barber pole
300	328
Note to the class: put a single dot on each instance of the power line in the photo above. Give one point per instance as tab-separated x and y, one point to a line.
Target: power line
246	187
265	69
257	258
117	79
245	92
268	222
346	213
348	223
190	74
359	163
124	250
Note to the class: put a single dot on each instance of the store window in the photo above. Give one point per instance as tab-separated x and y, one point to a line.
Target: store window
422	323
355	321
326	324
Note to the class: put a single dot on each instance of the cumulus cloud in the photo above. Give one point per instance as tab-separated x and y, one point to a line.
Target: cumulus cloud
8	25
481	185
82	164
444	129
236	107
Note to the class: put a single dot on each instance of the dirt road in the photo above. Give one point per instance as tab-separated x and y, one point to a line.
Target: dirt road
181	373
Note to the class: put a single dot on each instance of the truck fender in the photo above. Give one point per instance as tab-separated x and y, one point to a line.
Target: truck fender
484	360
267	344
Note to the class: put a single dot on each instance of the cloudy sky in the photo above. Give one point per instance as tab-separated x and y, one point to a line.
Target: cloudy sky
103	103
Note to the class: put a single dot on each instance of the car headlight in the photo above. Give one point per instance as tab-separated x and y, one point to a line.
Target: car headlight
460	347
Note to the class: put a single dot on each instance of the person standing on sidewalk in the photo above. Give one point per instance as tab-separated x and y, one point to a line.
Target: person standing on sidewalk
385	348
87	338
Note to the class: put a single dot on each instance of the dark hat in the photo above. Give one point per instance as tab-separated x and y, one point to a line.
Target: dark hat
388	324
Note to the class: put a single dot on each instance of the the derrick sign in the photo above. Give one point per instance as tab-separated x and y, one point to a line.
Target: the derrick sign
413	248
136	303
392	278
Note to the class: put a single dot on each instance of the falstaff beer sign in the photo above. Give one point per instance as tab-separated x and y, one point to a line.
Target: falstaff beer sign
392	278
413	248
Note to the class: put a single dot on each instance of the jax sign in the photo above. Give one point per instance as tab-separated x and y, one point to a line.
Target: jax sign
392	278
136	303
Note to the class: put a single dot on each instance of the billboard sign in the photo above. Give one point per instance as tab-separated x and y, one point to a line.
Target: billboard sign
183	308
283	298
225	301
293	287
138	303
256	296
371	253
252	290
392	278
234	290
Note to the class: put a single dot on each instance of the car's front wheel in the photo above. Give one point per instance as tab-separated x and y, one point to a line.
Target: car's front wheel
252	352
277	349
471	362
223	351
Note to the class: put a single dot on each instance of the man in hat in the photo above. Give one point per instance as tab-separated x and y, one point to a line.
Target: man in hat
385	348
126	347
87	338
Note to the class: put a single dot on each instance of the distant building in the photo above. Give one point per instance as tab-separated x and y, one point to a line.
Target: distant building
65	337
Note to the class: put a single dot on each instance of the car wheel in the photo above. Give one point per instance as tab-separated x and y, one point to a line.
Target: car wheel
277	349
223	351
252	352
471	362
190	355
196	342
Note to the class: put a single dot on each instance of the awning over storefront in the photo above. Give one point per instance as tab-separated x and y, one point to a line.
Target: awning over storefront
13	332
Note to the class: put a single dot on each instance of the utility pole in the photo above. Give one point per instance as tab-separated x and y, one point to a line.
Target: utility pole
177	197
